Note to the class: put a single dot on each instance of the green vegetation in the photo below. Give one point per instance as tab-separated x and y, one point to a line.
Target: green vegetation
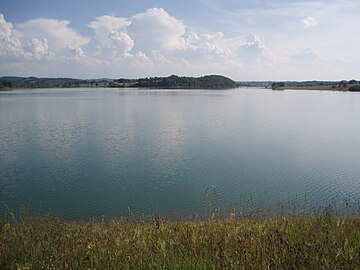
354	88
343	85
33	82
277	85
316	87
318	241
171	82
176	82
5	85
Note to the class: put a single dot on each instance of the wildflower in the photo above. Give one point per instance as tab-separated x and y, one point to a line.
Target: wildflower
90	246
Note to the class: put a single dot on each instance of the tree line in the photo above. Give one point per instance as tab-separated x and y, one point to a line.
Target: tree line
176	82
5	84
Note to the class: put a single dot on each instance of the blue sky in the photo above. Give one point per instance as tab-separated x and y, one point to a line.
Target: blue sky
245	40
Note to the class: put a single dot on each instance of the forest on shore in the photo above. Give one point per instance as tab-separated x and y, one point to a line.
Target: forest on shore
171	82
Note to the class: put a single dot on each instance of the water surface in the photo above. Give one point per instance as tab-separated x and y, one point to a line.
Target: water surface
100	152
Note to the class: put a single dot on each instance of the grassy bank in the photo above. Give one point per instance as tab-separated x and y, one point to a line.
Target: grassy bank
317	87
309	242
314	87
344	88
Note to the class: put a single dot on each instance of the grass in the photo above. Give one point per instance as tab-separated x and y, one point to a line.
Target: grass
317	87
318	241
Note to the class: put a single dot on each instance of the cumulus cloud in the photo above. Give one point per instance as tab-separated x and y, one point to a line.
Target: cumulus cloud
38	47
148	43
113	42
255	51
309	22
9	42
57	33
151	30
200	48
122	42
156	29
215	42
103	26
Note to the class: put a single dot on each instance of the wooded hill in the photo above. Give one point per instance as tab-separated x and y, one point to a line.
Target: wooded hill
176	82
171	82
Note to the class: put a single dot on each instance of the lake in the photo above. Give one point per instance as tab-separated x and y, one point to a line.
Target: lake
82	153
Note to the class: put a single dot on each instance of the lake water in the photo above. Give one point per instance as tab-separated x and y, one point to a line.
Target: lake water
84	153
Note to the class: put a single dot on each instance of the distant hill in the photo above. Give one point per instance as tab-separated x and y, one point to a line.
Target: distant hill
171	82
176	82
34	82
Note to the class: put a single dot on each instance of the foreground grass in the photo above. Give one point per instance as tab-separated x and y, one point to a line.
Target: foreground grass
315	242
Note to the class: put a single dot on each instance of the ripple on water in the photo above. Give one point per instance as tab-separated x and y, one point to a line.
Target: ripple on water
91	152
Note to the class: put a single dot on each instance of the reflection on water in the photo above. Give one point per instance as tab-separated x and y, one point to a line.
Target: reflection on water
96	152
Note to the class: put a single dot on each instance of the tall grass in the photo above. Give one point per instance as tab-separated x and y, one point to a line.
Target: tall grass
316	241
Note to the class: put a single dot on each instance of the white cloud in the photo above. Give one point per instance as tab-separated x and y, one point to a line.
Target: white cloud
112	40
42	46
152	36
203	48
38	47
77	51
58	34
141	60
122	42
156	29
309	22
148	43
215	43
9	42
255	52
155	43
104	25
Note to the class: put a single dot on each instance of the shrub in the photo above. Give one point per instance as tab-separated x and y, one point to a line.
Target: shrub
354	88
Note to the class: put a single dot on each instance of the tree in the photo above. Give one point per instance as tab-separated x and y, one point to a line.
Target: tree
5	84
352	82
343	84
354	88
176	82
277	85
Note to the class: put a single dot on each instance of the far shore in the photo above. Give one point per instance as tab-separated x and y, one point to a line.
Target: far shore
217	82
318	88
312	88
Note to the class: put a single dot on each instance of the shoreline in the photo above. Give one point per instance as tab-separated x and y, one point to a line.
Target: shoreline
334	88
311	89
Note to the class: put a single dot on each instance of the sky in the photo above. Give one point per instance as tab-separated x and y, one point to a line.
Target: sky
241	39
